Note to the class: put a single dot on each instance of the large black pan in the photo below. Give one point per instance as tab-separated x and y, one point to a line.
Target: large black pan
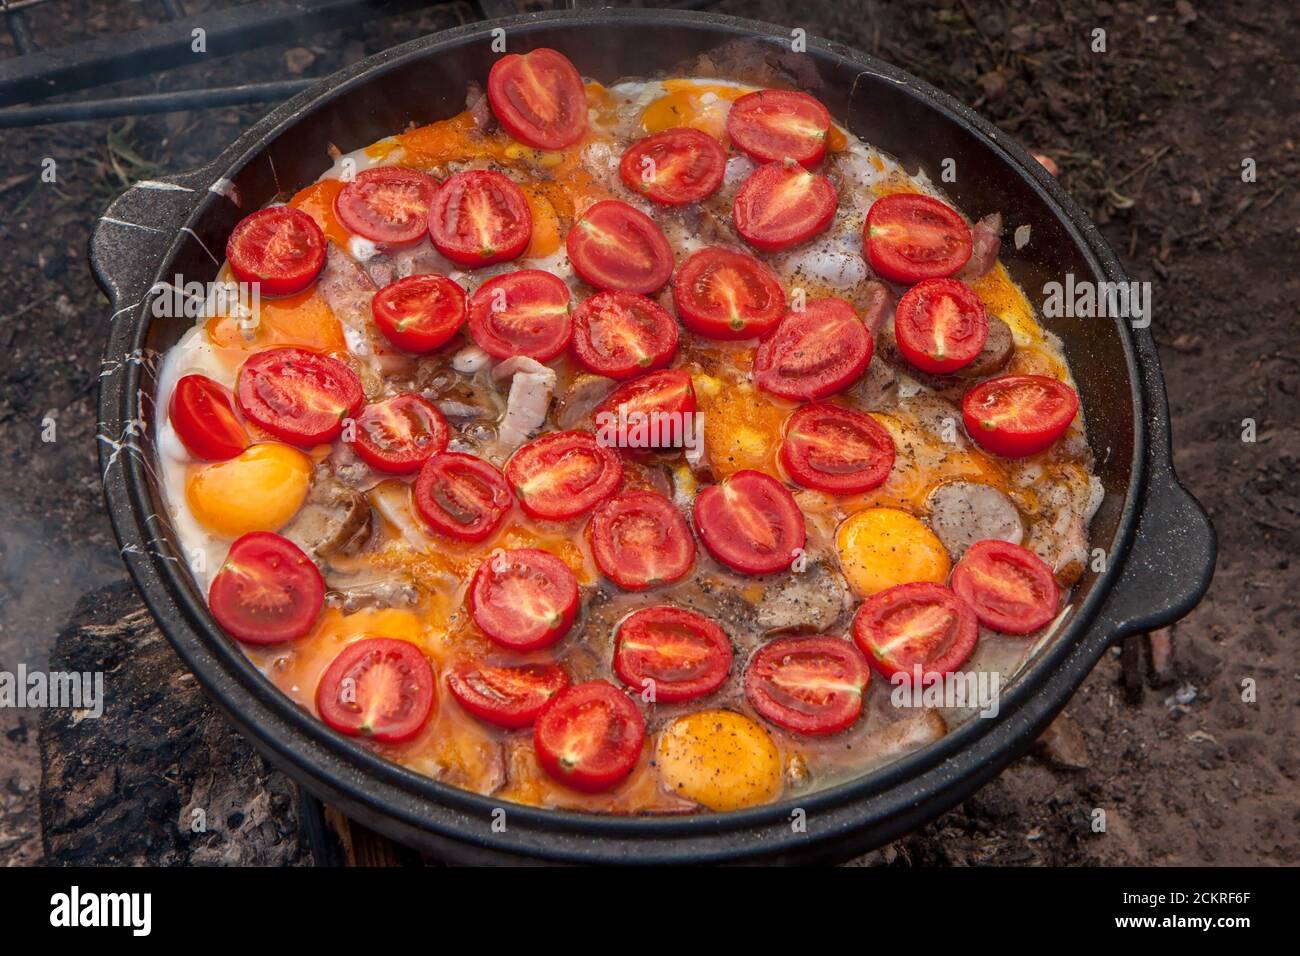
1158	542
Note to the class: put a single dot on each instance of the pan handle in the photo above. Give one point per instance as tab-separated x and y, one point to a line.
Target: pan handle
136	231
1172	555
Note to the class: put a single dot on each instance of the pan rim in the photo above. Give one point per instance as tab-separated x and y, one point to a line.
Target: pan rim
163	585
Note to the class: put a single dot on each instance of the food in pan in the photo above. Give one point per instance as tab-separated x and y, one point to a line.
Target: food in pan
614	448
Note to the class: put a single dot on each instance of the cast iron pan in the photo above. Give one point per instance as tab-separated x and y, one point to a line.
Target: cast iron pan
1159	544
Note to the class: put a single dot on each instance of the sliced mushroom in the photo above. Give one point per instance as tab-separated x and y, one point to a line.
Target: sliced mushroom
809	600
334	520
574	408
963	512
904	736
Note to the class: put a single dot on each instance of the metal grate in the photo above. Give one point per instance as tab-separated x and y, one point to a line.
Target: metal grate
35	75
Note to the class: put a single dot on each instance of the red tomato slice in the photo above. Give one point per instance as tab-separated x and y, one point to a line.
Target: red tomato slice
775	125
722	294
1019	415
539	98
589	737
647	412
814	353
640	540
267	592
675	167
524	599
1011	589
919	624
480	217
909	237
378	688
750	523
675	654
509	697
387	204
615	246
204	419
298	396
280	248
462	496
621	334
940	325
521	313
419	313
782	205
837	450
399	434
810	685
563	474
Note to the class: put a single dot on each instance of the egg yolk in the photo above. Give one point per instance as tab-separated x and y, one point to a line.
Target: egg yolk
317	201
703	106
883	547
261	490
303	319
720	759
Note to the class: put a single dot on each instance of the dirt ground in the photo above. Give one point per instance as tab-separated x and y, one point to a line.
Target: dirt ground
1150	137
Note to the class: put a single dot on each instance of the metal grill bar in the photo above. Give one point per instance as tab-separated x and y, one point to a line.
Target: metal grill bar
151	103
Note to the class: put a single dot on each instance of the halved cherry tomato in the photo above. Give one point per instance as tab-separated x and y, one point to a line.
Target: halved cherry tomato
298	396
509	697
835	449
387	204
480	217
775	125
616	246
909	237
462	496
539	98
1011	589
521	313
621	334
915	624
683	653
267	591
525	599
640	540
750	523
419	313
675	167
589	737
378	688
204	419
648	412
810	685
782	205
940	325
1018	415
280	248
722	294
399	434
814	353
563	474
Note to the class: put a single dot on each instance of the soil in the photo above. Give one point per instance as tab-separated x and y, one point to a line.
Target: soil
1150	136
